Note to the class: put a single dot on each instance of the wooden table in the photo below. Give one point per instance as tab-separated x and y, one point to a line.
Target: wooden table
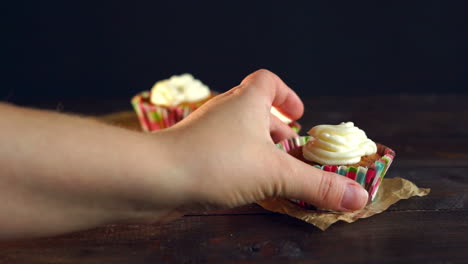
429	134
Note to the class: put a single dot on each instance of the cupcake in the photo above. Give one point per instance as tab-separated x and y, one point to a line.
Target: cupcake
292	124
170	101
343	149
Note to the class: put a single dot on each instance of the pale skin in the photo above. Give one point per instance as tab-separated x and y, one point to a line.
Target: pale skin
62	173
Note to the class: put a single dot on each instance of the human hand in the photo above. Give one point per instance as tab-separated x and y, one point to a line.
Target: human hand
226	150
85	174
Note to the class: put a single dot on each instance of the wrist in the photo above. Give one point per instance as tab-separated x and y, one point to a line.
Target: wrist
158	184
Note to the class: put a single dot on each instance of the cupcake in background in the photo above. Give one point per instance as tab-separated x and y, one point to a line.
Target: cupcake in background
343	149
170	101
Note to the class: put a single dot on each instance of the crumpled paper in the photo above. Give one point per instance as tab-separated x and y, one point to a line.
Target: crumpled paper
391	191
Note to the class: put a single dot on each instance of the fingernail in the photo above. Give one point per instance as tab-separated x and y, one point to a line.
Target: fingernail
354	198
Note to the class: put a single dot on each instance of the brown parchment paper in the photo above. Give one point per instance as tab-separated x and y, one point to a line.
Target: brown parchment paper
391	191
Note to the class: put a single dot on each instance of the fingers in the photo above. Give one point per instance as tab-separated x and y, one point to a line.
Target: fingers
280	130
276	93
323	189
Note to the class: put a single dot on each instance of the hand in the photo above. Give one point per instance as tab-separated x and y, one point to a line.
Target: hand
62	173
226	149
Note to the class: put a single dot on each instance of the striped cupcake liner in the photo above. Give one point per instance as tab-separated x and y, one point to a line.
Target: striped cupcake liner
369	177
155	117
295	126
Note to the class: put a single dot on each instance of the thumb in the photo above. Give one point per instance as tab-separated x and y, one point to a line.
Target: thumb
323	189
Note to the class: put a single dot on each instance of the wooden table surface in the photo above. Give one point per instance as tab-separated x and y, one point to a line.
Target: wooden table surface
429	134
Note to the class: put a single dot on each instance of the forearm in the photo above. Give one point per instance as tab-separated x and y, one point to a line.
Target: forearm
62	173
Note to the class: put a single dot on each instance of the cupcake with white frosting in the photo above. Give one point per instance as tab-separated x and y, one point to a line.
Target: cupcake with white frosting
343	144
170	101
346	150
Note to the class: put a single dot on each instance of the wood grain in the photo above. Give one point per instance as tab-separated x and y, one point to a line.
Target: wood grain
392	237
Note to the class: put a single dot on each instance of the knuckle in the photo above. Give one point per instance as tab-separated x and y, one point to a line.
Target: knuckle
326	187
263	72
281	177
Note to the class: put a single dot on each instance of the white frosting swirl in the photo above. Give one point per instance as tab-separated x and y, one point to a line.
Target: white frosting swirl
179	89
341	144
280	116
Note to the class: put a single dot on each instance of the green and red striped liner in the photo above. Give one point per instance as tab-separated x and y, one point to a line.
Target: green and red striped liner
295	126
155	117
369	177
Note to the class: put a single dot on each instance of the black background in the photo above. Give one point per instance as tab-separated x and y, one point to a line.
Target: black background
61	50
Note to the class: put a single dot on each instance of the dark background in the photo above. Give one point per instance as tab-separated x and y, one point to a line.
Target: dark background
62	50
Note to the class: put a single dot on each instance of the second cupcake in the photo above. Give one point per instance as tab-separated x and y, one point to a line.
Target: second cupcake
170	101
